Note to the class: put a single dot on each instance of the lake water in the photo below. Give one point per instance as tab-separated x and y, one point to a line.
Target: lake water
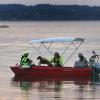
15	40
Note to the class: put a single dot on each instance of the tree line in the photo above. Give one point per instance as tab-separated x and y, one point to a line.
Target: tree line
48	12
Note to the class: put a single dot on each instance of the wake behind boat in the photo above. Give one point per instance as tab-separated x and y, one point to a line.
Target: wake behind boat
78	70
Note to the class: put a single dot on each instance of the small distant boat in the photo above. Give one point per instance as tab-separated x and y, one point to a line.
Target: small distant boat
4	26
64	71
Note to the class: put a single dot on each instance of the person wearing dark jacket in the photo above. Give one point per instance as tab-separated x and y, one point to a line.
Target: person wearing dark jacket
83	59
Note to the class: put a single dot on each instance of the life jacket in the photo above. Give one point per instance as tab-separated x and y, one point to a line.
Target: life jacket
58	61
24	61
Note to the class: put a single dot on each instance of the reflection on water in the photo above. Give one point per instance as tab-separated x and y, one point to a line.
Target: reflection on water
52	89
42	86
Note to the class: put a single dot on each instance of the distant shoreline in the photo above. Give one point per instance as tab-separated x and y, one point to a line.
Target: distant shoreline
47	12
43	20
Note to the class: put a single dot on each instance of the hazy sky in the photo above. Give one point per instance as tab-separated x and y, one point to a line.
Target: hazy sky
66	2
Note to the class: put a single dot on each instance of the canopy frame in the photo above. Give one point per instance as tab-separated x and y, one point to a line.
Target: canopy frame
50	41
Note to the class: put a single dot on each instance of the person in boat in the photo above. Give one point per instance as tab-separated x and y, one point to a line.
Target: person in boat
25	61
93	58
57	60
43	61
83	60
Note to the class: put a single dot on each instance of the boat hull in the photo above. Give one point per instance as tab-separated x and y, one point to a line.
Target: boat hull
52	71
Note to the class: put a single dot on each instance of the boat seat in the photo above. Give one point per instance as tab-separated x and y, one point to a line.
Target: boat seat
79	64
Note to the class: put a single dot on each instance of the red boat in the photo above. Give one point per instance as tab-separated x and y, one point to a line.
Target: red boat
36	71
77	70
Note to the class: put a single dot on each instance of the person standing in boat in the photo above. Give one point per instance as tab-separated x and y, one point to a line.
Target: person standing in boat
83	60
94	58
25	62
57	60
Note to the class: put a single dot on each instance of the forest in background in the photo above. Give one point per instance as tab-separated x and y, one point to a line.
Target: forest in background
18	12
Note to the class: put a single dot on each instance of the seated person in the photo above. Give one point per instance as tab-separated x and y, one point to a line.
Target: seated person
83	60
25	61
43	61
57	60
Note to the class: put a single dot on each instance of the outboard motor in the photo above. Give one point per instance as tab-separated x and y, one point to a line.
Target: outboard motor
97	67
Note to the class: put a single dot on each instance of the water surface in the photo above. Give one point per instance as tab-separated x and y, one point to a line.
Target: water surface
15	40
